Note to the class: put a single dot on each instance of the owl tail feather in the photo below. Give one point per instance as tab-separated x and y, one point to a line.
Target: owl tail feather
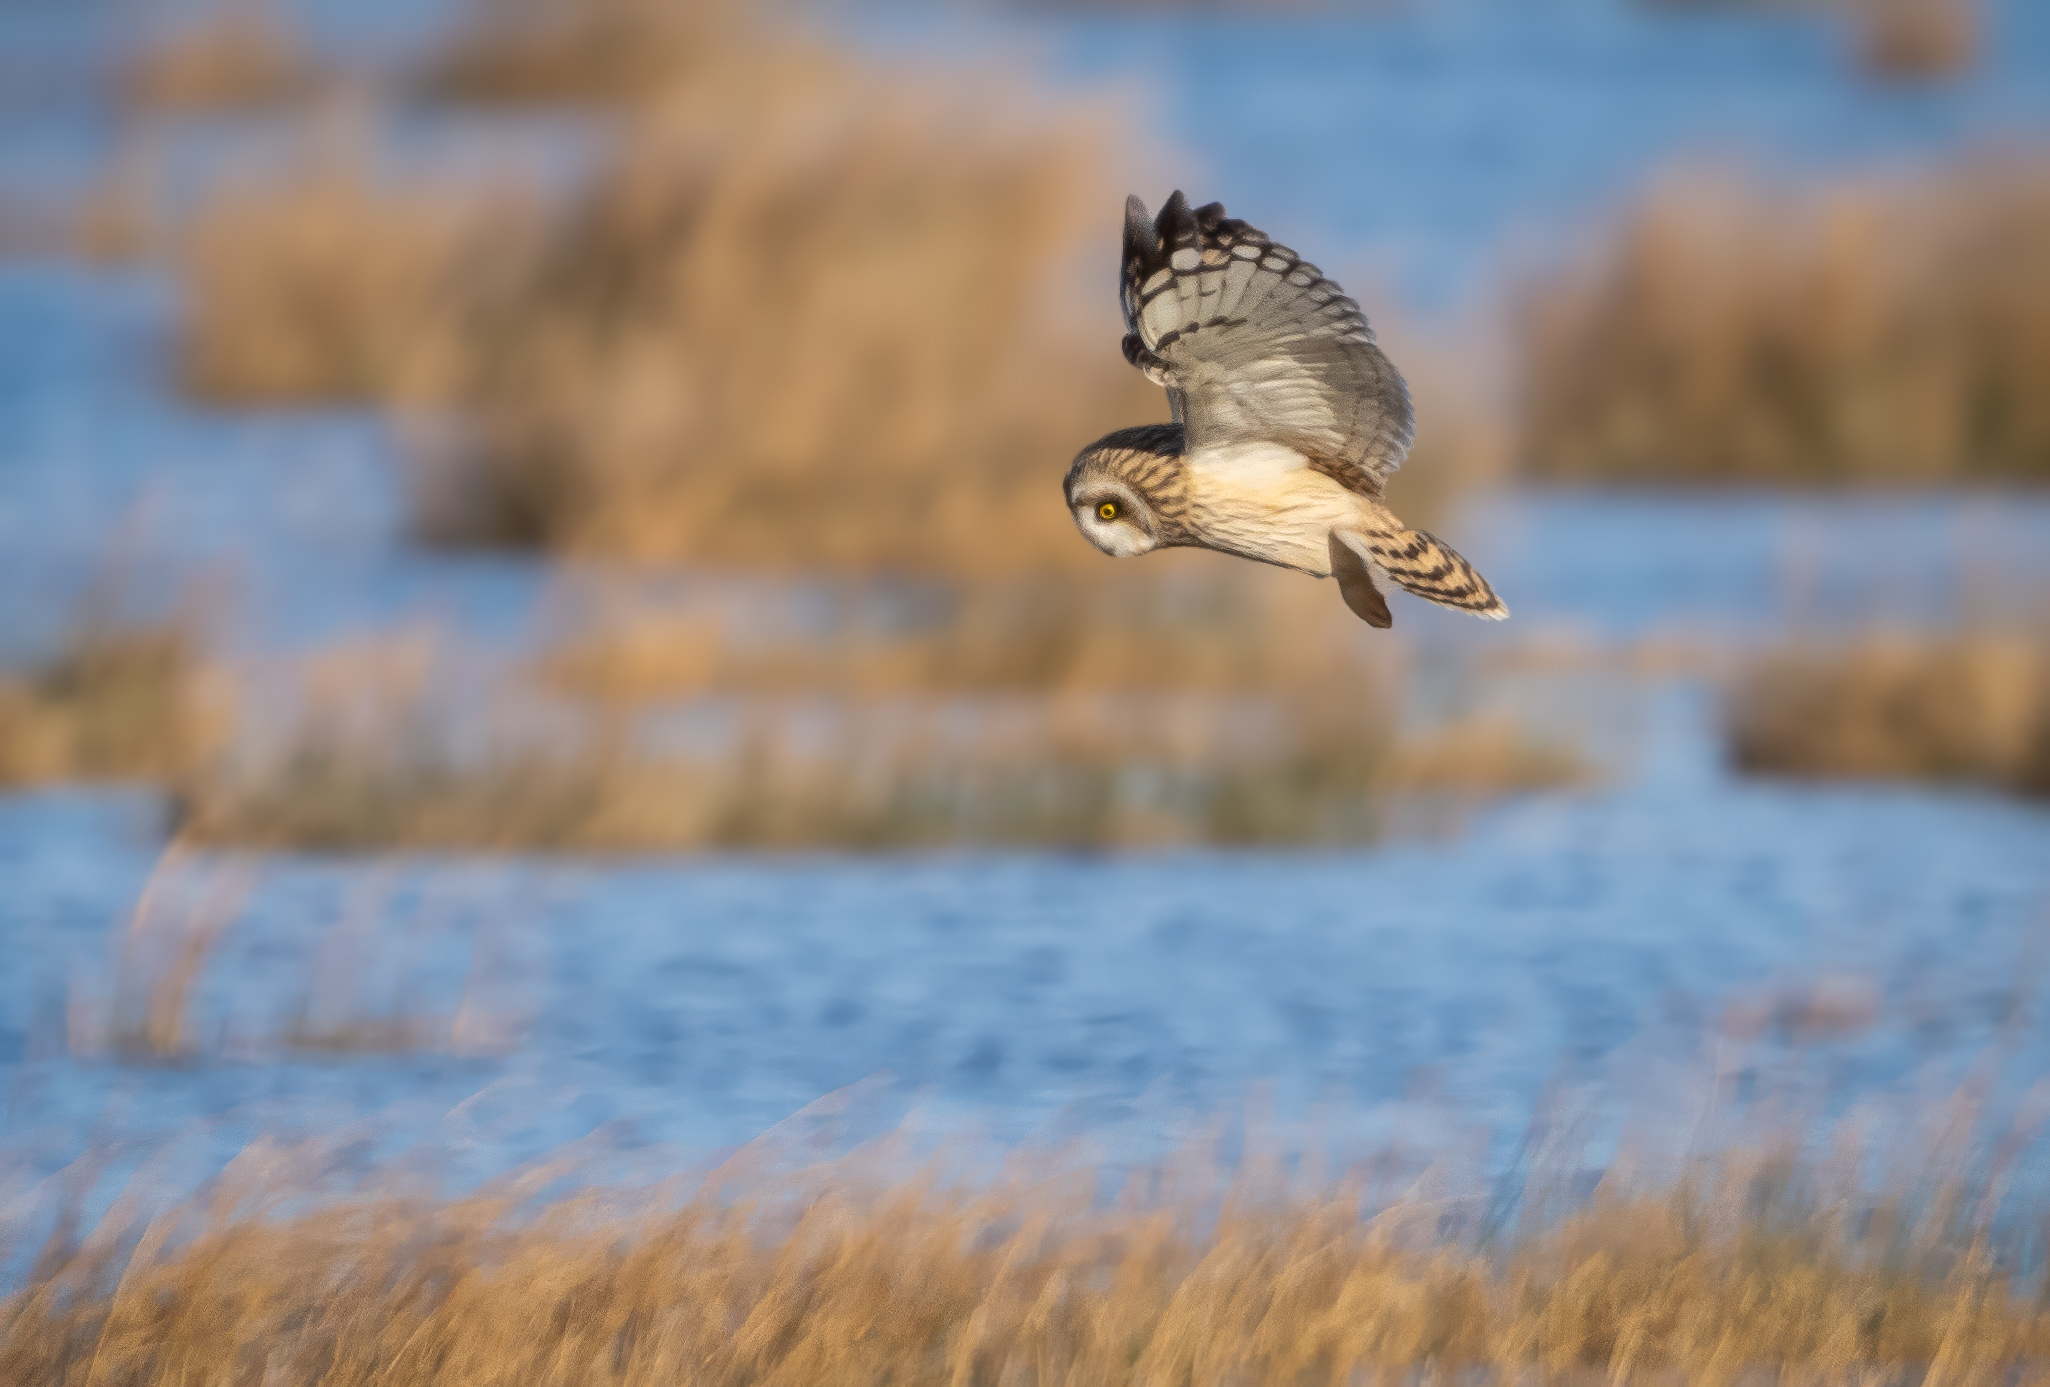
1418	563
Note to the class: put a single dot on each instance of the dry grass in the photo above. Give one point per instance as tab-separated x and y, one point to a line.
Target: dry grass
807	314
1747	1269
1871	331
233	55
1188	701
331	284
1062	772
119	702
1064	775
1210	704
812	320
1957	708
604	52
390	750
1179	622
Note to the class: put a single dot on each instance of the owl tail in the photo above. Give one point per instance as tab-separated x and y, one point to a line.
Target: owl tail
1417	563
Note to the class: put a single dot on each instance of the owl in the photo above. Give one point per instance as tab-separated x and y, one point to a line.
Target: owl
1287	419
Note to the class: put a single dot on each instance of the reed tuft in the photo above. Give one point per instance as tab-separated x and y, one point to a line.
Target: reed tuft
576	52
812	322
1868	332
1970	708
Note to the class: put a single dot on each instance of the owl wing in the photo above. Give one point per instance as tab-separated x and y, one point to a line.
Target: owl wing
1252	342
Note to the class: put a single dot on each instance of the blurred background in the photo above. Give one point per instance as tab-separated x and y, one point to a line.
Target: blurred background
534	599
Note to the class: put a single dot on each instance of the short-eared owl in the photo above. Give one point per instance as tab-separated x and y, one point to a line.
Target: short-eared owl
1287	418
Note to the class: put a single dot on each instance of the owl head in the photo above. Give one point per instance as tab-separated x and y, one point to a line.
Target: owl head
1128	490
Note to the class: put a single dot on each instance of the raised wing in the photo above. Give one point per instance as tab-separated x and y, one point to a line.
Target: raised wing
1252	342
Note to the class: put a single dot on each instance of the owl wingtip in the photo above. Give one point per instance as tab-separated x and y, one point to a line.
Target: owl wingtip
1176	223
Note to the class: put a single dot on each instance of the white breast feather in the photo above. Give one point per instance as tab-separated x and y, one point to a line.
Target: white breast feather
1261	499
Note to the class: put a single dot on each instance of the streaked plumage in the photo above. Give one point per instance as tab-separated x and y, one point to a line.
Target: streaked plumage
1287	418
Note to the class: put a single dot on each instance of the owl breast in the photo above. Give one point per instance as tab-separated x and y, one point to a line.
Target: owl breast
1261	501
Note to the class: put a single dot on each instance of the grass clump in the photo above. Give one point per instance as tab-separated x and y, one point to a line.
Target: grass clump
1867	332
1189	706
1746	1269
811	325
803	313
1969	708
578	52
1066	776
1059	771
329	285
1183	703
118	702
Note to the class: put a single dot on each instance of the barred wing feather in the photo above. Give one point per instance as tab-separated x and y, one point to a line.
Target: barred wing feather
1252	342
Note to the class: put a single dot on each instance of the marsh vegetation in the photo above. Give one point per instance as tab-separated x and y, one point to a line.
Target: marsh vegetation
1875	331
1965	707
1747	1267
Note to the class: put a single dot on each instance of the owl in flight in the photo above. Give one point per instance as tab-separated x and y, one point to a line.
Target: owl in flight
1287	418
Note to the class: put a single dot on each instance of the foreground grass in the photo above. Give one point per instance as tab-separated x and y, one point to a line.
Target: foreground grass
1966	708
1869	331
1745	1271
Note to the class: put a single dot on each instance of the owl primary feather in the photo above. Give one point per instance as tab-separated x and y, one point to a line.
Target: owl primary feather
1287	419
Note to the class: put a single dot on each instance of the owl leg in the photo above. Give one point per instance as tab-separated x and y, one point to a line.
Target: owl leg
1356	585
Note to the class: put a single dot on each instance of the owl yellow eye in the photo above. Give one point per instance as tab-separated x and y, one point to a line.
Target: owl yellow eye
1108	510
